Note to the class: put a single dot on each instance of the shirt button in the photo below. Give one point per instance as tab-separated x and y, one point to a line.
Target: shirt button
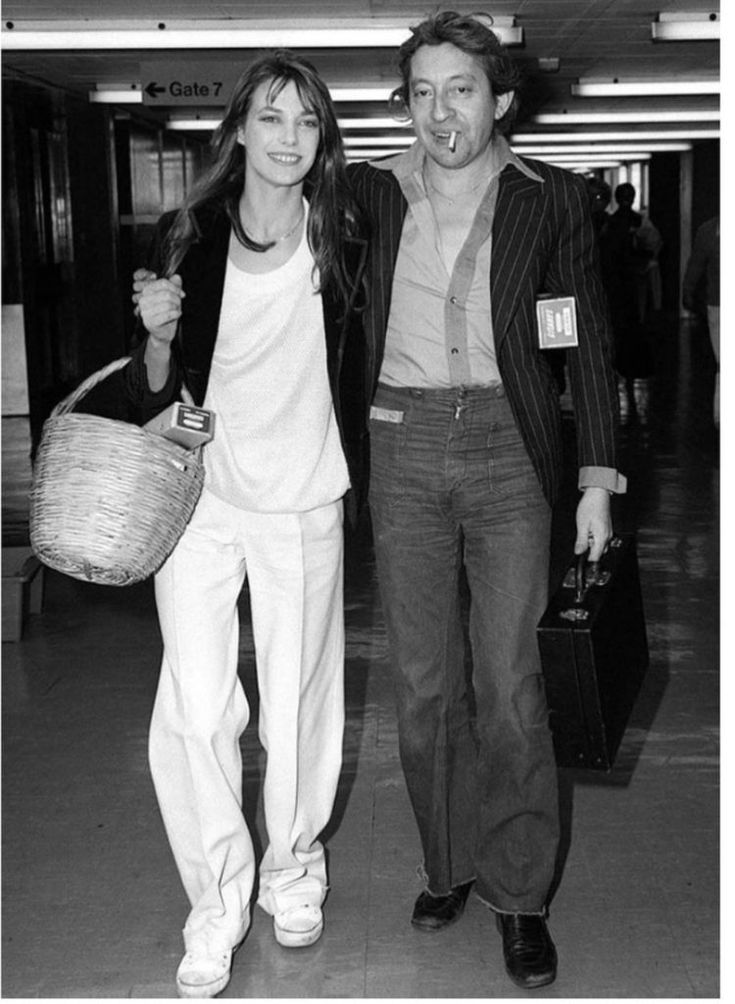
455	352
453	299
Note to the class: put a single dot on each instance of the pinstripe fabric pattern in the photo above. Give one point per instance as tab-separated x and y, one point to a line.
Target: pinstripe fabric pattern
543	242
384	205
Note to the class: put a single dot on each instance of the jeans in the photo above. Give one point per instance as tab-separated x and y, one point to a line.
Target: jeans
452	485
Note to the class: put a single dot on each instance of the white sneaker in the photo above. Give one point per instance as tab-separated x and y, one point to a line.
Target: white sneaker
298	926
203	975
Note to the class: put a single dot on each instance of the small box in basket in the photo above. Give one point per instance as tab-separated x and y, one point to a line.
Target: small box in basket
184	424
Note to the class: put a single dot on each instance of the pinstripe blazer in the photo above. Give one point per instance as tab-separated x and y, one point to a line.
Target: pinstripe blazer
543	242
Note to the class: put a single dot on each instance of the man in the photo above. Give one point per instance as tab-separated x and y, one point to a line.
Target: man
629	247
465	463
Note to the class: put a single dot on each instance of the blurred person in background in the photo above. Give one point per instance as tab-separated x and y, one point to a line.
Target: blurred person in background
701	292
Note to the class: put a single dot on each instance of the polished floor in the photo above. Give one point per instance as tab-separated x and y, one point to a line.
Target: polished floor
92	906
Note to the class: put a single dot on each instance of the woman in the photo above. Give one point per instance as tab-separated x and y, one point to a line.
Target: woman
257	317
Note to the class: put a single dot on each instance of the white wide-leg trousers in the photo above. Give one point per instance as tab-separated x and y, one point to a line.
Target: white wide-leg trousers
293	563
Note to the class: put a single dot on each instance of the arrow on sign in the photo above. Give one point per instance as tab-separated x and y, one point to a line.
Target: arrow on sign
153	90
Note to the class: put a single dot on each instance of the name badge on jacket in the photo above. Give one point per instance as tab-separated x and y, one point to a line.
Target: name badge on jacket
557	322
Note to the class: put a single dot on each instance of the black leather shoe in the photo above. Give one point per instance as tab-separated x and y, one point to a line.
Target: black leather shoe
433	913
529	953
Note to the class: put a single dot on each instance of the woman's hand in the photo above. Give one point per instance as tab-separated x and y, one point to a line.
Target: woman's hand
159	304
141	278
594	524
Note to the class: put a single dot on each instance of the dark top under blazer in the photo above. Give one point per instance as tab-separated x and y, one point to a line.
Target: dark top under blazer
543	242
203	275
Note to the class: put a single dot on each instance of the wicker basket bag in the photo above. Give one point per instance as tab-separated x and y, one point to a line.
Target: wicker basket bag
109	500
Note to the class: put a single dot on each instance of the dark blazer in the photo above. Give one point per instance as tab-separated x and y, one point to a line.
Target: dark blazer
543	242
203	275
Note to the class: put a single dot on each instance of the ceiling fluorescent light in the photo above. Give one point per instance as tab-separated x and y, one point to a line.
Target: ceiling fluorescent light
200	38
603	118
376	123
686	27
591	158
583	167
355	141
221	33
349	94
641	136
368	154
119	95
606	148
192	125
642	88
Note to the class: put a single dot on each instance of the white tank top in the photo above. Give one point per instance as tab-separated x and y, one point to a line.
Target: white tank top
276	446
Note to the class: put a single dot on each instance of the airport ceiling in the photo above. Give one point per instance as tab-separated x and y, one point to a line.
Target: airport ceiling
172	77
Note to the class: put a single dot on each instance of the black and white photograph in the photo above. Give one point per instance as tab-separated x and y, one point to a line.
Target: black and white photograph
361	489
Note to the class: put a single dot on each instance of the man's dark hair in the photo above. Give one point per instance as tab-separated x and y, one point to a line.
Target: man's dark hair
470	33
625	193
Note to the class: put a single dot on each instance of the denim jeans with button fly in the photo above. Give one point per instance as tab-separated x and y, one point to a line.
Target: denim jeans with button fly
452	485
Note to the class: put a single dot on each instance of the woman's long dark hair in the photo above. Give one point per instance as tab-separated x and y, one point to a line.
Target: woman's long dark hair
332	211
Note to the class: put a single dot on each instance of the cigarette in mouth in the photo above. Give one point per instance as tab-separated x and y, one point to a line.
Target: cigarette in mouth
453	140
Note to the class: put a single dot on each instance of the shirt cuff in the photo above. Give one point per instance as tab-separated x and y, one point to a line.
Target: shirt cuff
602	477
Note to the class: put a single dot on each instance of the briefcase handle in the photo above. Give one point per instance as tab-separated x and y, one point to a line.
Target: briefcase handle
580	578
582	581
578	612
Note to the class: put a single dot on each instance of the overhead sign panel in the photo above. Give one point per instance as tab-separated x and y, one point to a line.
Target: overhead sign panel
192	83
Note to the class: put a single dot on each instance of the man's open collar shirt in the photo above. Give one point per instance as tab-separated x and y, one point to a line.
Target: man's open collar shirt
440	331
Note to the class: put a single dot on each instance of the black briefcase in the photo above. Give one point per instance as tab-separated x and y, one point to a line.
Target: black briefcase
594	653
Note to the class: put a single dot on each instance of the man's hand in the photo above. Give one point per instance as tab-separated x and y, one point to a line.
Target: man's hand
594	524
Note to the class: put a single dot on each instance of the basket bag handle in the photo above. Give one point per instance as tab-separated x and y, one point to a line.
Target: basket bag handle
65	406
